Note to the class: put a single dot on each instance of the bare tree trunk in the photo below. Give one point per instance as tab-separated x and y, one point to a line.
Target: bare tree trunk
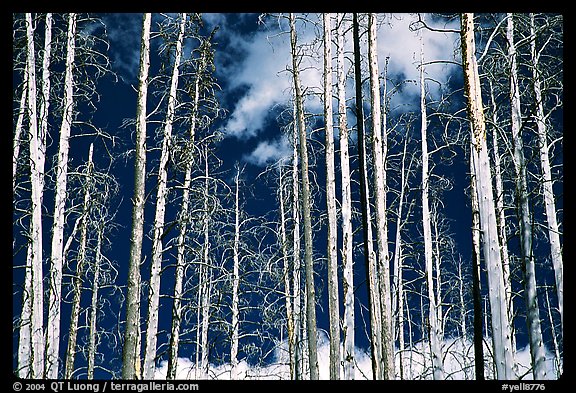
57	256
333	308
383	264
156	266
31	358
347	256
476	291
435	328
130	353
235	284
77	279
309	268
369	255
93	344
286	274
183	223
530	293
296	258
548	193
501	330
205	273
499	189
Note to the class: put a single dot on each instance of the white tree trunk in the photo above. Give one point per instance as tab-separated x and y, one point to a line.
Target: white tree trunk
286	274
296	273
537	351
347	256
501	331
435	328
369	254
500	216
162	190
333	308
131	352
31	361
548	193
183	224
383	265
235	285
347	246
306	215
57	256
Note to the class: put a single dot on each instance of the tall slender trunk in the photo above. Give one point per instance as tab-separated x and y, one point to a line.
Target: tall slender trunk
501	331
31	358
77	280
296	273
57	256
309	268
286	274
93	343
183	225
235	284
369	255
476	290
537	351
333	308
383	264
347	256
205	273
130	352
435	328
500	217
548	193
162	190
53	320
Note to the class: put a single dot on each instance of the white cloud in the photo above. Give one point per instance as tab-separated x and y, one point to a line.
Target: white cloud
269	151
458	363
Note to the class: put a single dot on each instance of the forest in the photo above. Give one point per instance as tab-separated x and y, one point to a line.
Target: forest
294	196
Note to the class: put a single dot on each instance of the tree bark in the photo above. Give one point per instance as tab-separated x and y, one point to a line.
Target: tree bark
383	264
309	268
162	190
369	255
235	284
183	224
286	274
296	273
130	352
333	308
537	351
548	193
501	331
31	357
476	290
